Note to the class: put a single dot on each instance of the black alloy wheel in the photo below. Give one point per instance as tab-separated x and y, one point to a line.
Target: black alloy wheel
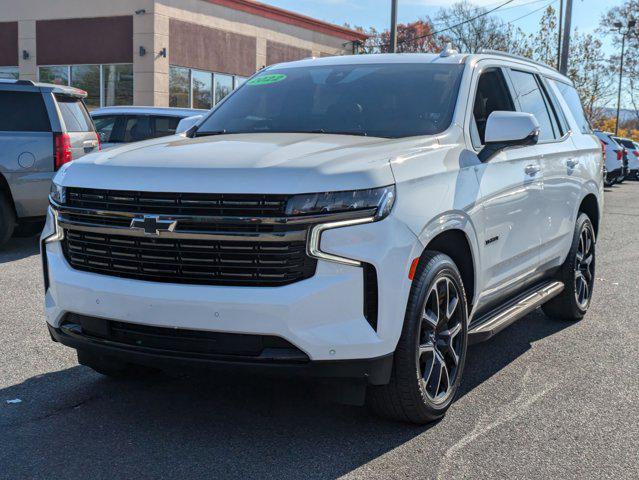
584	267
440	342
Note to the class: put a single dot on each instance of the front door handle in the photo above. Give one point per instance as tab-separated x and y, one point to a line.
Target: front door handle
532	169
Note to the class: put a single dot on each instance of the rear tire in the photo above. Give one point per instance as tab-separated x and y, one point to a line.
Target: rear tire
7	219
430	355
114	368
578	275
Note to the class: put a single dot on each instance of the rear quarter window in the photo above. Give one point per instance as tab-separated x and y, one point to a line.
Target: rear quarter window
571	97
74	114
165	126
23	112
105	126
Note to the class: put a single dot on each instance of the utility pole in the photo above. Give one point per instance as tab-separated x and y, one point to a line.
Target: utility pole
629	27
561	18
565	46
393	28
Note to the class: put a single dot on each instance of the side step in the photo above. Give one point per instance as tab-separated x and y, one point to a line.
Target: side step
496	320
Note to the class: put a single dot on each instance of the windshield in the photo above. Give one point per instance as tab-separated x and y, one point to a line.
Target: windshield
381	100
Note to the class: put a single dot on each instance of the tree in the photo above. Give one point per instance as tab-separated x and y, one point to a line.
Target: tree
412	37
541	45
622	13
590	74
463	26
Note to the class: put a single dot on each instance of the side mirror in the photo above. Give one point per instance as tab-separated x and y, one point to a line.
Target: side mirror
187	123
508	129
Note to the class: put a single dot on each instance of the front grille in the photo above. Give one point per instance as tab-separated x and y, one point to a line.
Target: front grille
205	204
183	342
208	262
185	225
217	239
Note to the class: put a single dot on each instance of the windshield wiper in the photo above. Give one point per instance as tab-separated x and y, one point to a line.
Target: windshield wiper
212	132
339	132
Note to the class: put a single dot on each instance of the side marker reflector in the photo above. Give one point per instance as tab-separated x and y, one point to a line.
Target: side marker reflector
413	268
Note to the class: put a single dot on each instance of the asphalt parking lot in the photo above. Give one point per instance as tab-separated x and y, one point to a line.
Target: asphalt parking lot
543	399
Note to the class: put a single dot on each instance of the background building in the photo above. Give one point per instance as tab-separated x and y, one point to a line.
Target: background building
178	53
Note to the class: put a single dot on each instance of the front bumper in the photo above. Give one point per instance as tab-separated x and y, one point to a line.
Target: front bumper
323	316
375	371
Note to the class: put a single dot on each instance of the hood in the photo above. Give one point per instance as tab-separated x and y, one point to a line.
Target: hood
239	163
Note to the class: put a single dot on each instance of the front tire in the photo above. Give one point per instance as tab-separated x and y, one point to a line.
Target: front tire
430	355
578	275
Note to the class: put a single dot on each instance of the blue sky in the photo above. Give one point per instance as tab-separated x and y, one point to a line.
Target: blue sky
586	13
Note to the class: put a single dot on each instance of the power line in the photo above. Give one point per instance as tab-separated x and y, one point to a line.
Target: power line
487	12
534	11
483	14
519	5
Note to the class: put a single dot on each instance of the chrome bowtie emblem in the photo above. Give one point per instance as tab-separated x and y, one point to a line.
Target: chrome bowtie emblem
153	225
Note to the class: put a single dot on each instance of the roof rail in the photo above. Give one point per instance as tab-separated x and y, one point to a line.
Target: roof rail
518	57
17	82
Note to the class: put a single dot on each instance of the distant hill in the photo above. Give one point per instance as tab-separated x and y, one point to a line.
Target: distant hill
624	114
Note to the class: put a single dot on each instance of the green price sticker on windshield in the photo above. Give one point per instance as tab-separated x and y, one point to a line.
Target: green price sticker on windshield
267	79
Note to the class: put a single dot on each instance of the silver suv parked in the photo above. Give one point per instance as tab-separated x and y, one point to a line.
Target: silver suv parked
42	127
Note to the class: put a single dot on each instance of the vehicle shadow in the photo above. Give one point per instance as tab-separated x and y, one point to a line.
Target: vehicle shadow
73	423
18	248
485	359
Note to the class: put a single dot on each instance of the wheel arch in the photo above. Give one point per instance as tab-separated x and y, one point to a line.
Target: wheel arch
590	206
455	236
6	191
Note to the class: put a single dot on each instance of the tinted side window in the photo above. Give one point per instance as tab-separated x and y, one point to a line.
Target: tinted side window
492	95
165	126
105	126
23	112
137	128
75	115
625	143
531	100
571	97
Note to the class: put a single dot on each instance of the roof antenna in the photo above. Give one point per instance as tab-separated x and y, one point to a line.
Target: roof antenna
448	51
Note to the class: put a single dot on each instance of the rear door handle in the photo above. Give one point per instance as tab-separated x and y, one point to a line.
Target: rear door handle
532	169
572	163
89	145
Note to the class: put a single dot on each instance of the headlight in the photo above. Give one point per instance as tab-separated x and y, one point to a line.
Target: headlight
58	193
381	199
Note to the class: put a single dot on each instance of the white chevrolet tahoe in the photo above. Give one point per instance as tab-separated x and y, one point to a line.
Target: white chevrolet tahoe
363	217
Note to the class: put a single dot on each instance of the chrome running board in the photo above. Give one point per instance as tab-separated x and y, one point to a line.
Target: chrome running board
496	320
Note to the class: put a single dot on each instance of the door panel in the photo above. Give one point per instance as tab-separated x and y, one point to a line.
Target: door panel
511	188
563	174
511	195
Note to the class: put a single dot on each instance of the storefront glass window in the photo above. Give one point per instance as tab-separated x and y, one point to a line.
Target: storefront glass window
9	72
87	77
179	87
117	81
58	75
223	86
202	89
